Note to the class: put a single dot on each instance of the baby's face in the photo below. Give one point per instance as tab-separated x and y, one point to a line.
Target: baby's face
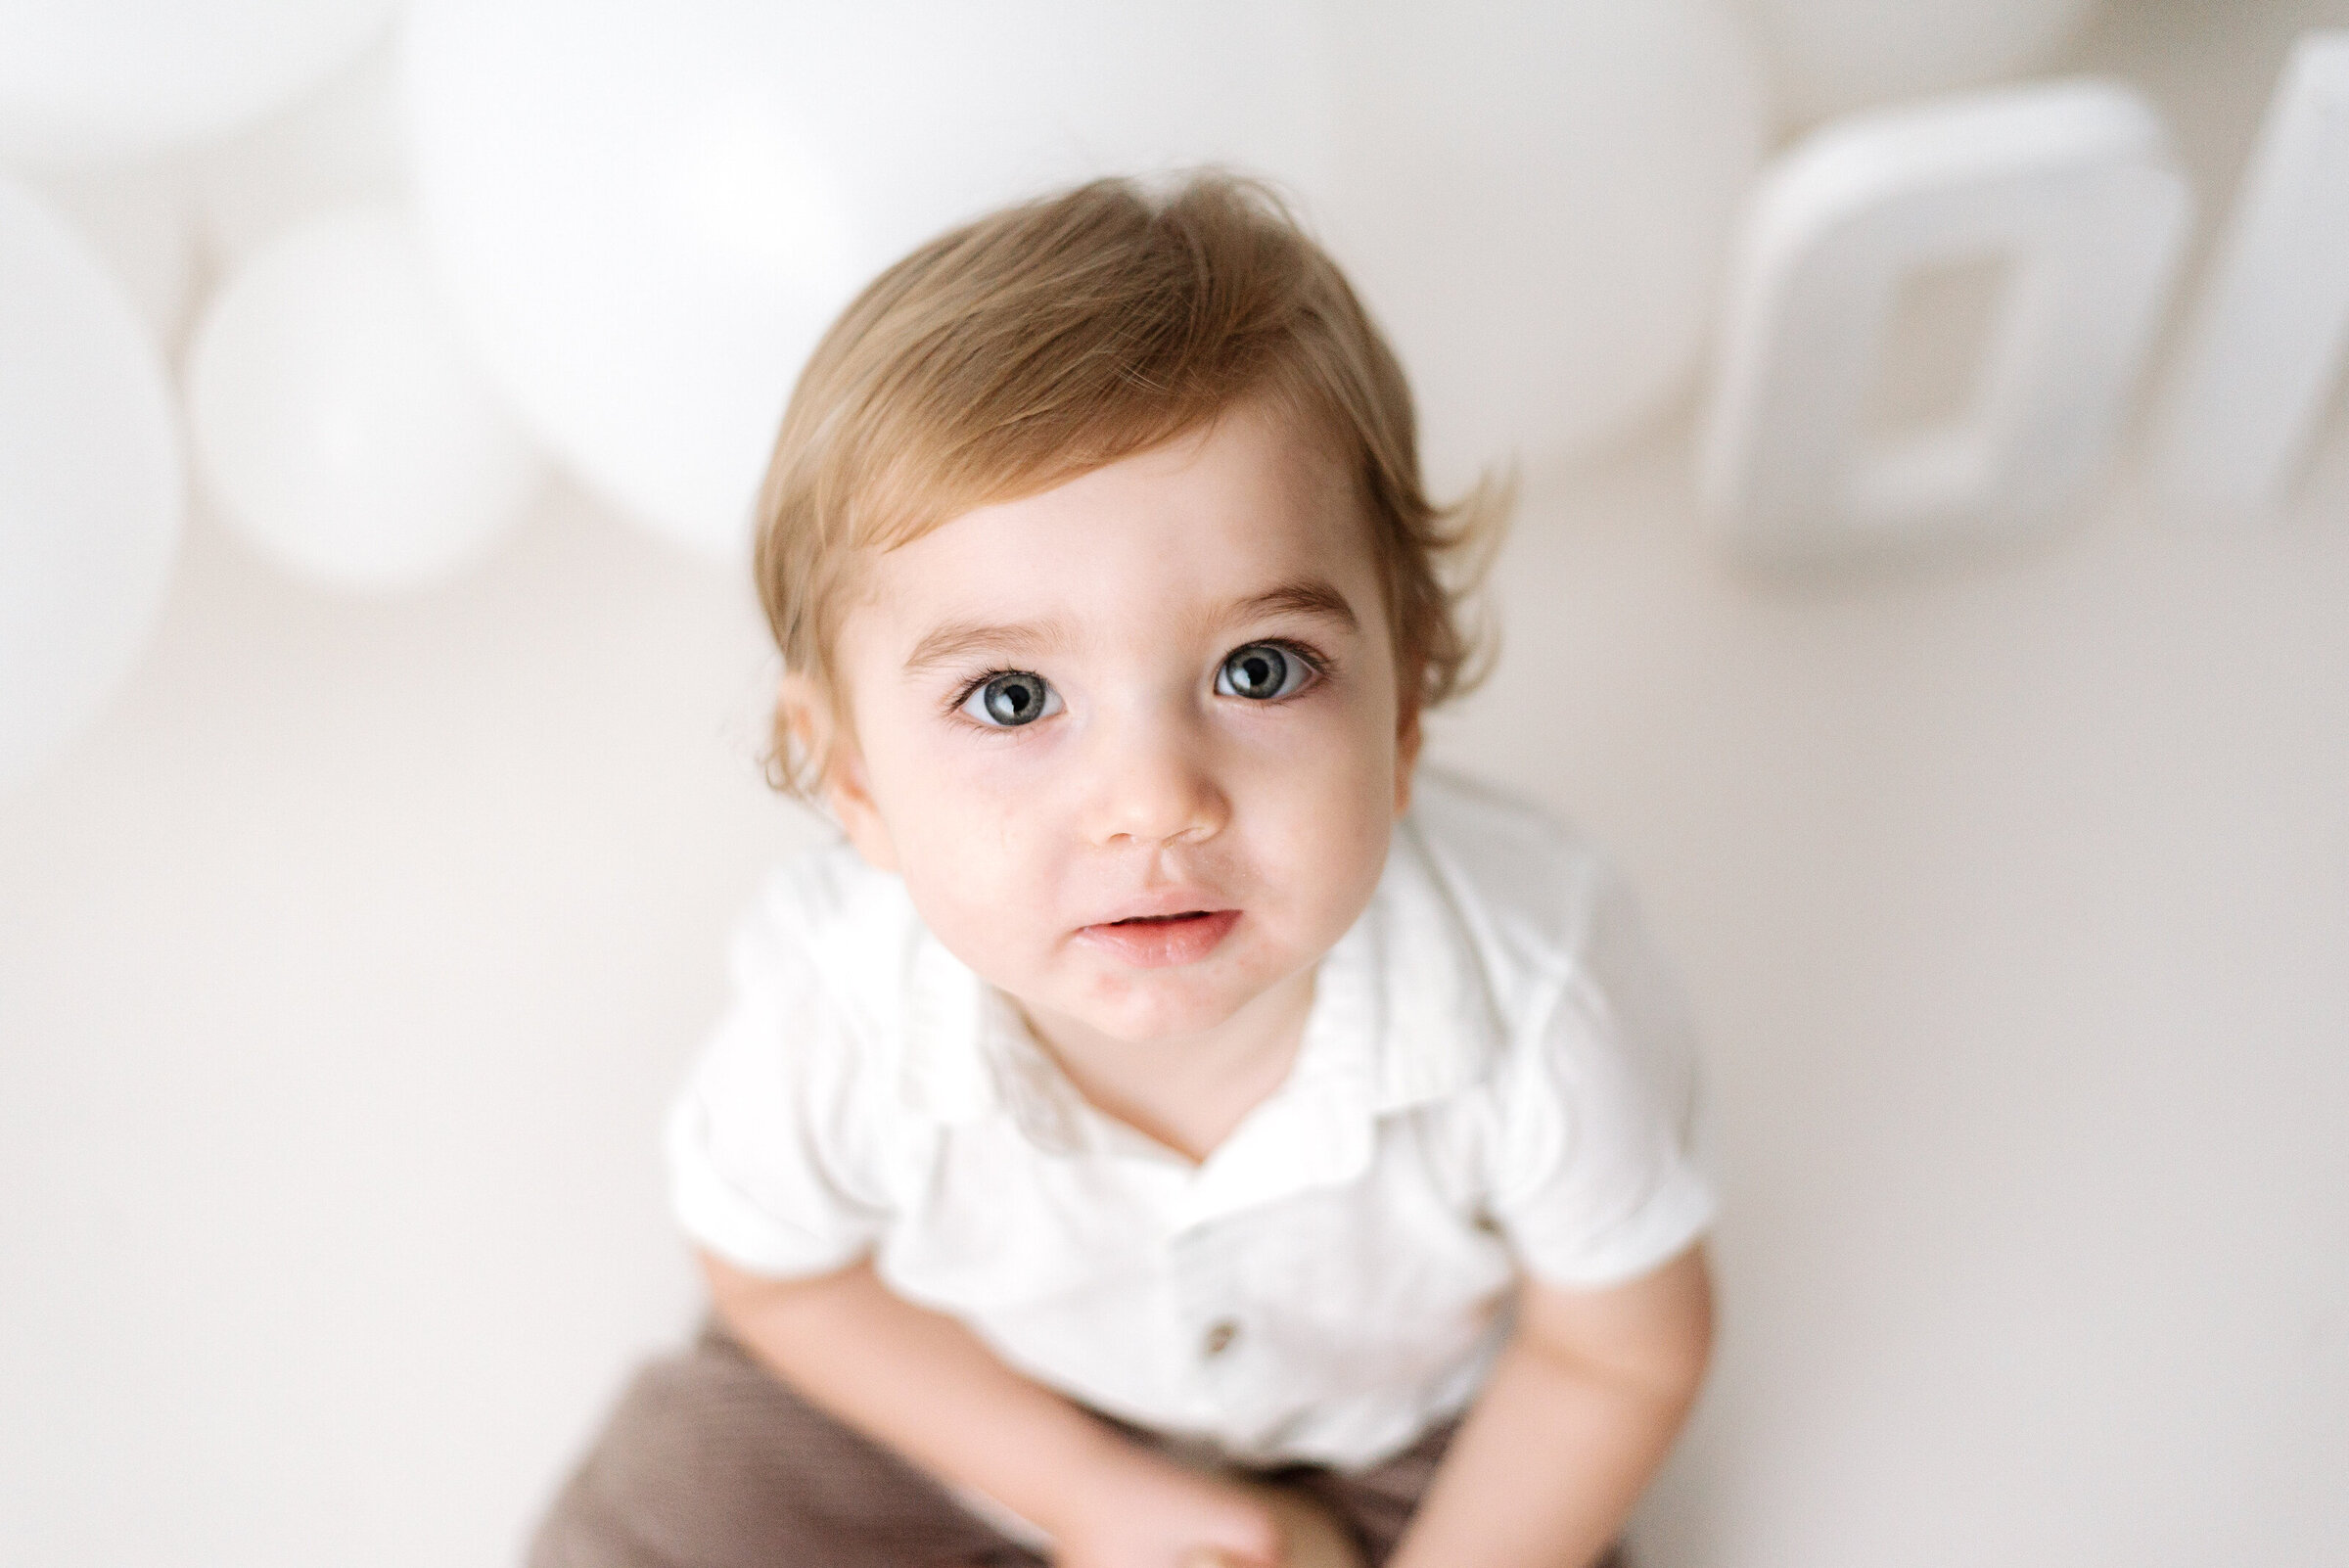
1134	743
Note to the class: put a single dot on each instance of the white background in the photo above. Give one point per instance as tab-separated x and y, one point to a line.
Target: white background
347	964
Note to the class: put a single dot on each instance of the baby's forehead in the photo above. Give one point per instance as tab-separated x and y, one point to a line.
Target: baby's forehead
1254	464
1181	541
1246	489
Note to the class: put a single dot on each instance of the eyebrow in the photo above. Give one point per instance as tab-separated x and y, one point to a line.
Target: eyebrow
957	641
1308	596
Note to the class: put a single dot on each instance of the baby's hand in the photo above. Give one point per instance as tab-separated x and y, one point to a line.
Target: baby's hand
1160	1516
1166	1517
1309	1537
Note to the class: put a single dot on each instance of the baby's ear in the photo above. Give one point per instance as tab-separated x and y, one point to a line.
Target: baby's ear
827	750
852	800
1407	756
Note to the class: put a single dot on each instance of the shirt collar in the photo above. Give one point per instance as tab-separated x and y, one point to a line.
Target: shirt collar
1403	1014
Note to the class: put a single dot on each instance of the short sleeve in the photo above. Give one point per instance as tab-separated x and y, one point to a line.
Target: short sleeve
764	1142
1597	1177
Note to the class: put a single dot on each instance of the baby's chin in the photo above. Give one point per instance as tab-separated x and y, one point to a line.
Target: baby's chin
1161	1007
1164	1028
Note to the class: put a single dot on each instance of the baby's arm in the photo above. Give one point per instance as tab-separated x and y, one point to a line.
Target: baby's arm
925	1386
1577	1415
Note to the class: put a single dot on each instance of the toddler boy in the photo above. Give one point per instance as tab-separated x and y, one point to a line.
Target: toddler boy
1165	1089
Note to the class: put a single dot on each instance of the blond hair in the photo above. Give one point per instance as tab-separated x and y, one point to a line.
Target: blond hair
1051	339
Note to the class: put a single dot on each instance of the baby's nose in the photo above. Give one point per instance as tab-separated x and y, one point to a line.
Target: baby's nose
1156	785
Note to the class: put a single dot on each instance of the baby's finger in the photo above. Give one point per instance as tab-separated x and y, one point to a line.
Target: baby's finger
1311	1536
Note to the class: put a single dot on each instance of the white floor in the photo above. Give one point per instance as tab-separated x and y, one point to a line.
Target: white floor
345	965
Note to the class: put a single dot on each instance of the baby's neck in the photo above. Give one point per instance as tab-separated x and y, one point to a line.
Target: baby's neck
1186	1093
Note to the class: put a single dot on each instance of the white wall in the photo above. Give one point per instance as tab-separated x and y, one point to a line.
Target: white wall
344	968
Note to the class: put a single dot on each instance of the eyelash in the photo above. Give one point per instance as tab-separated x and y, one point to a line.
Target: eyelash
1315	661
1312	658
952	707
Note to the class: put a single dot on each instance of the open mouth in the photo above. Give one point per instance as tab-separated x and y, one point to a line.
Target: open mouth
1155	942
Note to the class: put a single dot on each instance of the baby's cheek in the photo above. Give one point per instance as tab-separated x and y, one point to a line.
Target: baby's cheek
1348	850
984	866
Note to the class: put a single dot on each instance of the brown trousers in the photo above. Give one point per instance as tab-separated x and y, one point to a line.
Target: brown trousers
709	1461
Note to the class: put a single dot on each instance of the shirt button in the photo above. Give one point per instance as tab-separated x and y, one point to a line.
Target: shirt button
1218	1338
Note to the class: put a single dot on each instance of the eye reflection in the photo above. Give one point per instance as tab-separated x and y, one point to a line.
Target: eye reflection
1261	670
1014	698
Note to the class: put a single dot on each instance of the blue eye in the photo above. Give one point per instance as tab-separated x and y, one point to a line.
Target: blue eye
1014	698
1262	671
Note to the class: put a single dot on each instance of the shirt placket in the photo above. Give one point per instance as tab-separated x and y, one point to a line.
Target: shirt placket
1222	1360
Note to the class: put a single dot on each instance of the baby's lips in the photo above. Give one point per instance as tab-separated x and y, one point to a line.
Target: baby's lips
1164	904
1160	941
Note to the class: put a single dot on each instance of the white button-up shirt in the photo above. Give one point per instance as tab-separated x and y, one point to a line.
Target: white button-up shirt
1494	1080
